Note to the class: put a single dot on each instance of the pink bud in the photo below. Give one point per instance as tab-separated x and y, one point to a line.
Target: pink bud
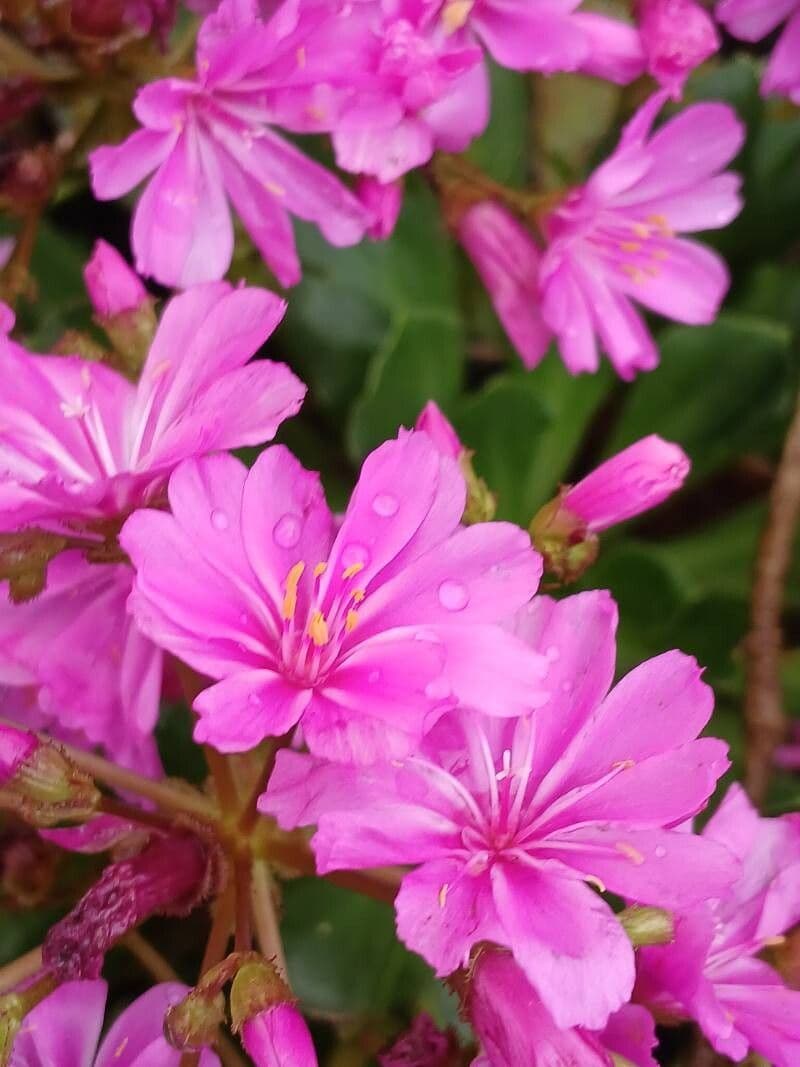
432	422
16	746
279	1037
111	284
677	35
383	202
636	479
507	258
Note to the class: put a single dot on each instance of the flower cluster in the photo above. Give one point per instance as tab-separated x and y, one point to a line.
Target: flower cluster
385	694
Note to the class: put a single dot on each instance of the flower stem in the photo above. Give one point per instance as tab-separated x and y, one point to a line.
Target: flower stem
265	916
765	718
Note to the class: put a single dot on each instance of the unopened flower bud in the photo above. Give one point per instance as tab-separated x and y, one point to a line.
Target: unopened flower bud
383	202
481	502
566	545
634	480
677	36
647	926
193	1023
40	784
169	877
122	305
278	1037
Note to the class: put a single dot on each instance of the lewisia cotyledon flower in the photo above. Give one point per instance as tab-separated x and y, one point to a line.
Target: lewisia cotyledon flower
211	141
711	972
63	1030
515	824
81	448
615	241
364	635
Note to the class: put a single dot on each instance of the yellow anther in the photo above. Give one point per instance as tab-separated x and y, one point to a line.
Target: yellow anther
292	582
455	14
774	942
274	188
301	56
318	629
315	112
595	881
351	621
352	570
630	246
320	569
661	224
443	895
358	595
120	1048
640	229
631	853
660	253
633	273
623	764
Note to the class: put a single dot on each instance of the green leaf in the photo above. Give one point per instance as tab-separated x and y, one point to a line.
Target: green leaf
500	152
343	955
720	390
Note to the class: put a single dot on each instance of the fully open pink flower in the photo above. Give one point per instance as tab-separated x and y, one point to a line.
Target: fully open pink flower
212	141
614	241
752	20
711	972
64	1030
366	635
514	1027
81	447
509	820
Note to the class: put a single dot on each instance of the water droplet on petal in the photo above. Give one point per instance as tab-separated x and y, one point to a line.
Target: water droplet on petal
566	687
254	700
286	531
354	554
438	689
453	595
46	698
219	520
660	851
374	677
553	653
385	505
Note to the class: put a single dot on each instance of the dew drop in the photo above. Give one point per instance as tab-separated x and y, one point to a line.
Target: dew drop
552	653
453	595
254	700
374	677
660	851
566	687
438	689
354	554
219	520
46	698
385	505
286	531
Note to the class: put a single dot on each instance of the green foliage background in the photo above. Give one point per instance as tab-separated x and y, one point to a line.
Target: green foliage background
379	329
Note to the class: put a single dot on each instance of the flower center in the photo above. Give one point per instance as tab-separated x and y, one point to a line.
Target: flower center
316	623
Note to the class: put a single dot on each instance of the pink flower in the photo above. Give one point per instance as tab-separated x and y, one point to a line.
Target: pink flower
211	142
435	424
509	819
428	90
366	634
64	1030
752	20
678	35
82	447
634	480
508	260
711	972
111	284
514	1027
613	241
279	1037
16	747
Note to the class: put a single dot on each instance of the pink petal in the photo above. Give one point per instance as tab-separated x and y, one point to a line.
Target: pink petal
576	637
615	50
462	113
719	204
750	20
783	70
631	1033
507	259
237	713
662	867
623	334
63	1028
566	312
278	1037
688	284
442	912
562	935
115	170
384	152
542	36
285	520
182	233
